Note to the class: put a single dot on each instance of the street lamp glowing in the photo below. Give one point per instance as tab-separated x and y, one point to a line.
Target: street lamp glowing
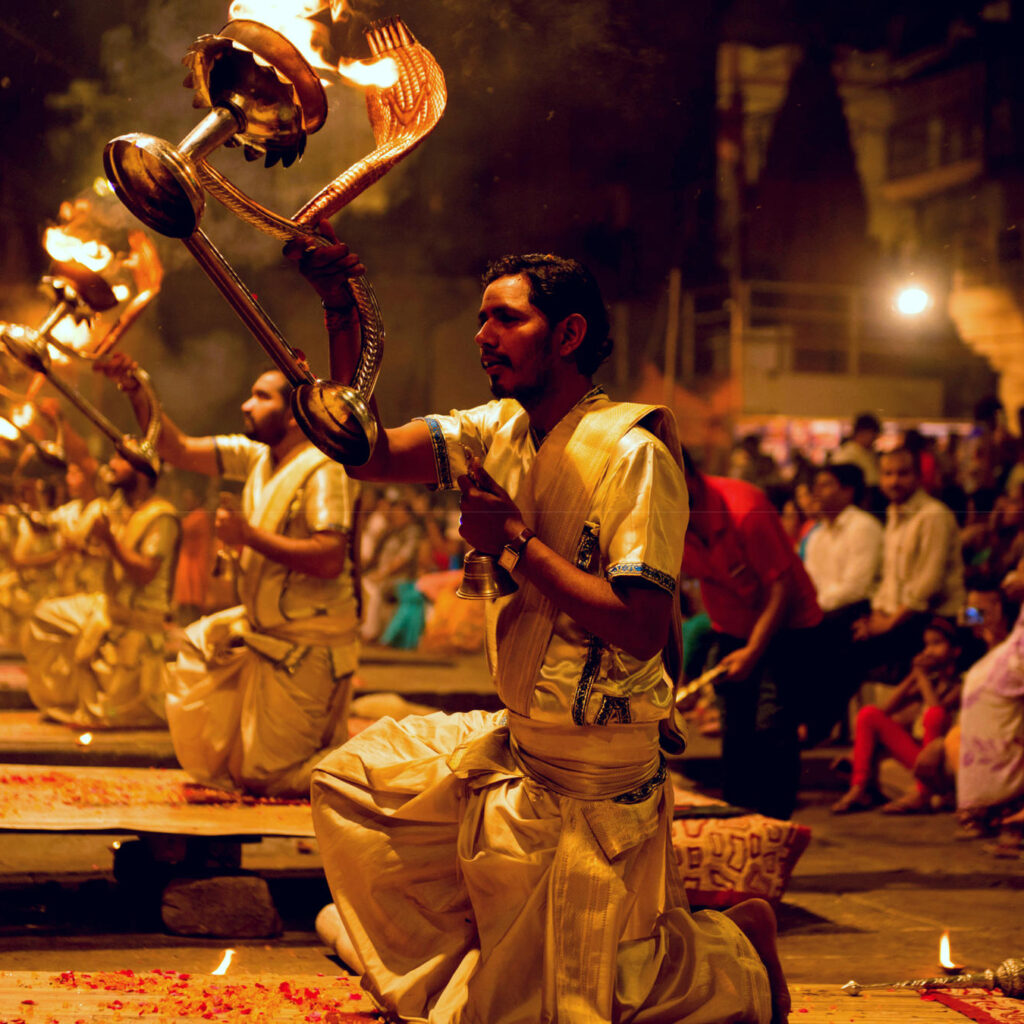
912	301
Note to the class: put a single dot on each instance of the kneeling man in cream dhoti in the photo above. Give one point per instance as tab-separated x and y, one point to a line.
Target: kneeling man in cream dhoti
261	690
517	865
97	659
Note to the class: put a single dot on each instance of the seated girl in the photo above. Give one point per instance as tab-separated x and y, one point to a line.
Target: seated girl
928	696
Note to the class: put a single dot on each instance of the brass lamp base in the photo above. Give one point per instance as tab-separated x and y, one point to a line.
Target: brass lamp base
483	579
26	345
337	420
156	182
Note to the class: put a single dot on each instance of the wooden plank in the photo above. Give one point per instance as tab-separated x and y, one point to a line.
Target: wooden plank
829	1004
163	997
69	798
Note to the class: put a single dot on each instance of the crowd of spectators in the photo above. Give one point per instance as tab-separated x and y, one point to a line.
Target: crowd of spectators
914	547
410	558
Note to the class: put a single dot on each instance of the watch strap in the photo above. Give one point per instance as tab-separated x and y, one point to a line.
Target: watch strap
511	552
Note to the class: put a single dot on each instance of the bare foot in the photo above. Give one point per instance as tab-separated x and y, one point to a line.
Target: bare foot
756	919
335	937
1013	819
912	803
856	798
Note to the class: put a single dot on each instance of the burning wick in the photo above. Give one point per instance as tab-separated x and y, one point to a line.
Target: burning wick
945	957
85	739
222	967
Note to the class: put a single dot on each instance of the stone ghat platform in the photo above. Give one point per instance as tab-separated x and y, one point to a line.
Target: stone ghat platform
171	996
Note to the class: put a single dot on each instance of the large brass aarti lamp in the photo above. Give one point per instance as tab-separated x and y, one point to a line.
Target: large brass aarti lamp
262	95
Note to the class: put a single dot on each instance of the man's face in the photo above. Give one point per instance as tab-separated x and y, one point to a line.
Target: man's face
866	437
75	479
830	495
120	474
265	412
515	340
899	478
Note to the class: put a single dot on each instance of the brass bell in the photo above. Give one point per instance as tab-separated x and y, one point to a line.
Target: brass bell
483	579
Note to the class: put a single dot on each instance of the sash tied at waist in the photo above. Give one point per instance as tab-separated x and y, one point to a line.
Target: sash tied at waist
581	762
597	762
230	633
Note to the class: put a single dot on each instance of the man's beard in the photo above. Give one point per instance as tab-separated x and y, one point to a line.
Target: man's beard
525	394
268	433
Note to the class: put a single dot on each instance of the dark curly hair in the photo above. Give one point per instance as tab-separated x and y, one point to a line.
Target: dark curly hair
560	287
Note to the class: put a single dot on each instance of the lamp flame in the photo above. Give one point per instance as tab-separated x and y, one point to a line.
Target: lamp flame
311	38
8	431
222	967
121	292
64	247
381	73
85	739
23	415
74	335
945	957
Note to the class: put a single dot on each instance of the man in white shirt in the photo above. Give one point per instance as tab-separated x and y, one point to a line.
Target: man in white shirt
844	556
843	559
922	569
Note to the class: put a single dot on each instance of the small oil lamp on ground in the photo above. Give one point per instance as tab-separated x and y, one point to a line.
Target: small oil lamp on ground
946	960
1007	978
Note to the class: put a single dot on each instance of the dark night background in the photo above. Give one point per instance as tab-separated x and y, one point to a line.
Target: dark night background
582	127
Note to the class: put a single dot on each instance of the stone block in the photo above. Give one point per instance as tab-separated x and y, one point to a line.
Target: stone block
226	906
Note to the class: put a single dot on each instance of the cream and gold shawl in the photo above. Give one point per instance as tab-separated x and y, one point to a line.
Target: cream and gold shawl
554	498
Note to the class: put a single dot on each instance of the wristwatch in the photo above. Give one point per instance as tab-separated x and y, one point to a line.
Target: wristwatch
513	550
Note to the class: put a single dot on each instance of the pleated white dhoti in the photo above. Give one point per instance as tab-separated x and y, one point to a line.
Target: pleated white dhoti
256	711
477	894
93	664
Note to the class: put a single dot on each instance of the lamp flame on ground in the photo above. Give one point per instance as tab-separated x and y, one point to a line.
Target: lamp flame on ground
85	739
311	38
945	957
64	247
222	967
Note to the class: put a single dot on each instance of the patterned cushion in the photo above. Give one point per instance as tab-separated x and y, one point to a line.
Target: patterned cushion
726	860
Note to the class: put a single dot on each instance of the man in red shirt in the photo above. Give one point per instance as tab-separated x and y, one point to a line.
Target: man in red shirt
765	617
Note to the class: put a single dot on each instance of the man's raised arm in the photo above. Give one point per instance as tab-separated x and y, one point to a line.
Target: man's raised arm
402	454
174	446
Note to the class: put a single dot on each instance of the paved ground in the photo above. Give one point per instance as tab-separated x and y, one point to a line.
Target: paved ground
869	899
